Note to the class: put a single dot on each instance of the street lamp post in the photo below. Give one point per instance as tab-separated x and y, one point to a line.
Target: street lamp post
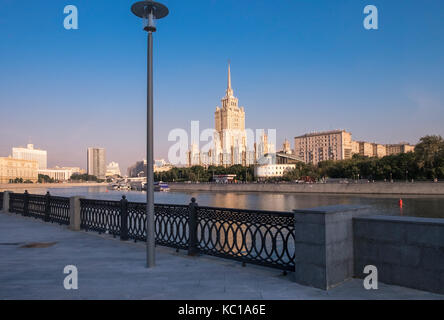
149	11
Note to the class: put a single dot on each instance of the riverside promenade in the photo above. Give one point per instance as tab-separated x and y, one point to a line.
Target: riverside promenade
112	269
401	188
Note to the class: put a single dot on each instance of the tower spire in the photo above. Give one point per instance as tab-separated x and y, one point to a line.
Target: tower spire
229	89
229	76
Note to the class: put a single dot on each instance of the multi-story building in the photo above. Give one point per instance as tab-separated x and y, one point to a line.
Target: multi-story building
402	147
275	165
366	149
162	166
76	170
379	150
11	169
96	162
272	170
230	142
286	148
58	174
137	170
370	149
320	146
112	169
30	153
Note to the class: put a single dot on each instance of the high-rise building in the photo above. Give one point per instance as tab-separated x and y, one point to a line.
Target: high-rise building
29	153
96	162
230	143
321	146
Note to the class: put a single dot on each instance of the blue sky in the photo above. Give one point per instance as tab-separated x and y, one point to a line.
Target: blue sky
297	66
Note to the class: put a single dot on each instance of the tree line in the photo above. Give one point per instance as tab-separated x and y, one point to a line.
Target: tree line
425	162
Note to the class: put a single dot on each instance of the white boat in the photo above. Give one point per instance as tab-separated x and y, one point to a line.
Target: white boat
158	186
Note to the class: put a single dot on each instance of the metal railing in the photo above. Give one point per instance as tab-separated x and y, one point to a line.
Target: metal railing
249	236
45	207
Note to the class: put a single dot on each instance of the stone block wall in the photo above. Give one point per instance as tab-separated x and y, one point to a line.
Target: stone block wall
407	251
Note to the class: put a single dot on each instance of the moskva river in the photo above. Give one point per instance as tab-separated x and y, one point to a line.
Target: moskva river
419	206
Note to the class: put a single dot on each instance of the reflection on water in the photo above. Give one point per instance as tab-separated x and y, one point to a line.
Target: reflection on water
420	206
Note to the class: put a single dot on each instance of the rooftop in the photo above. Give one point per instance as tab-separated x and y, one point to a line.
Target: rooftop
111	269
321	133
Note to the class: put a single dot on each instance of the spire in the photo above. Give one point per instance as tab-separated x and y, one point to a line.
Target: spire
229	89
229	76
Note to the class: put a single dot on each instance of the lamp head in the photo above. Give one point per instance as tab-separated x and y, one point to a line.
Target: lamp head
149	11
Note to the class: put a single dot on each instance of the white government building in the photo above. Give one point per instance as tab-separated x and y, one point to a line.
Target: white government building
30	153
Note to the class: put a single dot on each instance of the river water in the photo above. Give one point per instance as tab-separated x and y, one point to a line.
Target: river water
418	206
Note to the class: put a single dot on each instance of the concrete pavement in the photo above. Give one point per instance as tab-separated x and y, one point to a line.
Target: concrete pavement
111	269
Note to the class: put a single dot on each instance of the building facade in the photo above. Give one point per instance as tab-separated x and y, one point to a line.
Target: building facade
11	169
231	144
112	169
96	162
399	148
30	153
137	170
266	171
58	174
321	146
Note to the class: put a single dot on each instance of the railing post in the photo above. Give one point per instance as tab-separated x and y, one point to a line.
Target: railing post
74	213
6	201
26	204
192	225
47	206
124	219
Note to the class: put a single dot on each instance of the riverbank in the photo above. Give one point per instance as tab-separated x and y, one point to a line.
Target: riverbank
417	188
29	186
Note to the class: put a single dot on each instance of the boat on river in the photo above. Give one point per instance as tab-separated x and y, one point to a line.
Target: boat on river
158	186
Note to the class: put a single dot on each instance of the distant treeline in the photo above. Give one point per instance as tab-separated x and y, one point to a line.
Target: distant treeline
426	162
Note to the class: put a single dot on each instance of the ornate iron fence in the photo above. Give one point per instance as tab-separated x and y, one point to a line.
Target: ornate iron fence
17	203
251	236
36	206
102	216
59	210
45	207
128	219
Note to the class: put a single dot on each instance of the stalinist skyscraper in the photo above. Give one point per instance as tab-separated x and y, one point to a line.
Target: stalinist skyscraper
229	120
231	143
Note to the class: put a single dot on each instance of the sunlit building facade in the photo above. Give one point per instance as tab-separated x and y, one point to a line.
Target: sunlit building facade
12	169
